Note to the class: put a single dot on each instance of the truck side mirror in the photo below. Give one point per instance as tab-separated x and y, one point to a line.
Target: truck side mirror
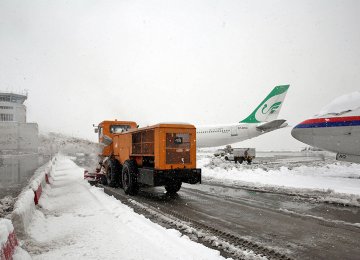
96	130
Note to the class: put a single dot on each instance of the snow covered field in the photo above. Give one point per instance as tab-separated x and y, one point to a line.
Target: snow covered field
339	181
77	221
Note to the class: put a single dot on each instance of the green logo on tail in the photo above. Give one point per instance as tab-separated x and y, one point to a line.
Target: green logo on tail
272	109
265	113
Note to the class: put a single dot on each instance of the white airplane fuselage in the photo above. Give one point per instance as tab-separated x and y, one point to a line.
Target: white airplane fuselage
262	120
210	136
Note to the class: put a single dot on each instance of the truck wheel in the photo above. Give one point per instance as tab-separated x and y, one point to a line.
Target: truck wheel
173	187
249	161
108	177
129	180
116	173
113	174
226	158
103	180
241	160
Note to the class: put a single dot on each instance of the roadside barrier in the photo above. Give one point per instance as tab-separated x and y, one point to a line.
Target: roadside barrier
25	205
23	212
8	240
47	178
40	182
37	192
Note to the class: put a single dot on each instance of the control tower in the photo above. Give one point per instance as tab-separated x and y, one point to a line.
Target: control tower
16	135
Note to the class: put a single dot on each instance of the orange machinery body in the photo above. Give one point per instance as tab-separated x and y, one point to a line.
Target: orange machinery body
161	147
163	154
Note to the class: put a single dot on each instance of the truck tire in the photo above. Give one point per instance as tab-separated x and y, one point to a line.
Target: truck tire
241	160
249	161
113	174
173	187
116	170
129	179
103	180
226	158
108	177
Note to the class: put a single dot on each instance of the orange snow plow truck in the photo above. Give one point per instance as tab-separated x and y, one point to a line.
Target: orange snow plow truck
158	155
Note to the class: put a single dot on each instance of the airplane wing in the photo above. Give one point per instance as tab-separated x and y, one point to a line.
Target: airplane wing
272	125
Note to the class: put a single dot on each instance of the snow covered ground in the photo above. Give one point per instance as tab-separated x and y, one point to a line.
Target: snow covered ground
305	175
78	221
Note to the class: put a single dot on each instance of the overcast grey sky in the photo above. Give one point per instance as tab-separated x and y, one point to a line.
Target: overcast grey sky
203	62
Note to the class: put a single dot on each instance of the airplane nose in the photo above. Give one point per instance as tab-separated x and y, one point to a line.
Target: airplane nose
304	135
296	133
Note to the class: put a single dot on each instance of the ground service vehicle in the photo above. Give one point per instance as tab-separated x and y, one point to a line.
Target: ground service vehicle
240	155
159	155
219	153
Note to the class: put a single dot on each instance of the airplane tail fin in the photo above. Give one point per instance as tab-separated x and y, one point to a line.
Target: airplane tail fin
269	108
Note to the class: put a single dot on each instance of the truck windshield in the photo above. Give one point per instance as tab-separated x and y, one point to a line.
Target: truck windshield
114	129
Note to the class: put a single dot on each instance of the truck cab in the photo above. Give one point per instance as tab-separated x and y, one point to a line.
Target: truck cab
108	128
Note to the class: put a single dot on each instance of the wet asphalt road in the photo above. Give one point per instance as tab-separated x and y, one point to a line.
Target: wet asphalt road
296	227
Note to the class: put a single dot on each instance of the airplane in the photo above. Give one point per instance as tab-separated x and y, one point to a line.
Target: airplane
336	130
262	120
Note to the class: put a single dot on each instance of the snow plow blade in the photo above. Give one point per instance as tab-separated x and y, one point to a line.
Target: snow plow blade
92	178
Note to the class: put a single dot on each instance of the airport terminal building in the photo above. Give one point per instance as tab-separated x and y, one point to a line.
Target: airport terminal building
19	143
16	135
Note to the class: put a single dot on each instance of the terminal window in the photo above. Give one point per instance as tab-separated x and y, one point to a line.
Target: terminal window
5	98
6	117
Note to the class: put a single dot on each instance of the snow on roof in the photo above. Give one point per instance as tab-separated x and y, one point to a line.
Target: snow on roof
344	103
